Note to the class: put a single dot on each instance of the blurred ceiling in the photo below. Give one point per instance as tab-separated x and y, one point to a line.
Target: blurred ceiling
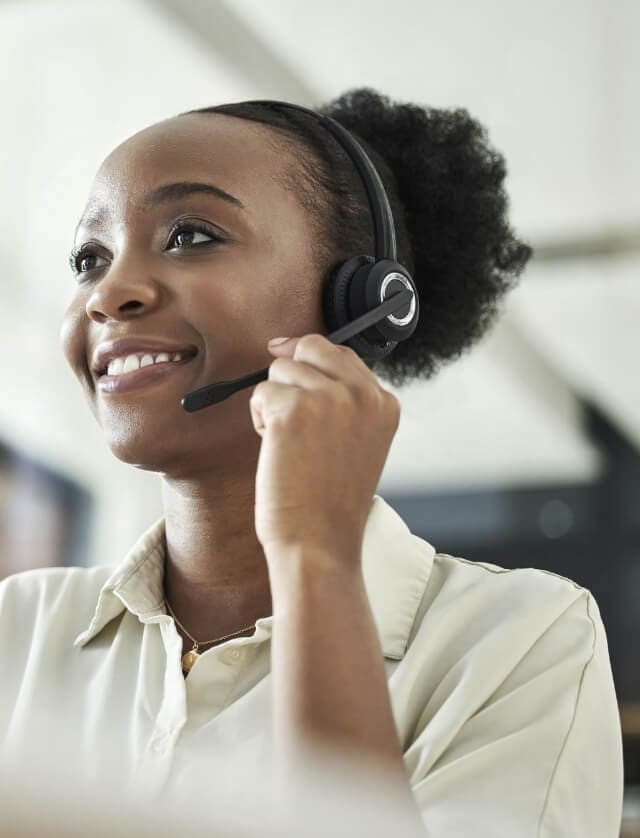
551	83
570	330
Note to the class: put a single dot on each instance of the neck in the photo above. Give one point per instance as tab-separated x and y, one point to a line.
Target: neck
216	578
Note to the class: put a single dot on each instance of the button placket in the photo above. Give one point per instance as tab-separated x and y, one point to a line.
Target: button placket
159	745
231	655
160	741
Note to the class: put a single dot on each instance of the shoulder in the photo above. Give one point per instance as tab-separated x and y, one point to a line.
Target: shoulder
44	594
50	582
503	662
529	579
499	620
491	595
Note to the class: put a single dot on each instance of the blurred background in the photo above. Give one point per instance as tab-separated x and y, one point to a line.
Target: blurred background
526	451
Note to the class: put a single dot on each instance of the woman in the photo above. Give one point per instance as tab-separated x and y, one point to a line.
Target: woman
279	604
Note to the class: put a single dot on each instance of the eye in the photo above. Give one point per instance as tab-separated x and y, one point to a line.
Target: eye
180	234
79	256
193	228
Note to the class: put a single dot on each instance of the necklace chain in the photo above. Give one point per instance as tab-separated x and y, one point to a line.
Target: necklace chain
196	643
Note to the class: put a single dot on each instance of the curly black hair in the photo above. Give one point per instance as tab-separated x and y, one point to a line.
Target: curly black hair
445	185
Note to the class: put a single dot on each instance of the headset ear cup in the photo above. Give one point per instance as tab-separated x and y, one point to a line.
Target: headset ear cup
372	284
337	312
335	297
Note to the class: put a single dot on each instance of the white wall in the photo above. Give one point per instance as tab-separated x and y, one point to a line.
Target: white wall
555	84
76	79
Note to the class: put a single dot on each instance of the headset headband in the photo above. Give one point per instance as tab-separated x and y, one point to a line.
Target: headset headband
384	231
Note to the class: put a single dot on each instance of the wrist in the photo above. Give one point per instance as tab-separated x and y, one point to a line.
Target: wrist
305	569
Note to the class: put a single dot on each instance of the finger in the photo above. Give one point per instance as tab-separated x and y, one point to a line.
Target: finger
335	361
271	401
299	374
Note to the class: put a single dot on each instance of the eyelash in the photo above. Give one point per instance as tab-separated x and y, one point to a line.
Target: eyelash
190	226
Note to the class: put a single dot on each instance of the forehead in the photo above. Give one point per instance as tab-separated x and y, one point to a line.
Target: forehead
240	157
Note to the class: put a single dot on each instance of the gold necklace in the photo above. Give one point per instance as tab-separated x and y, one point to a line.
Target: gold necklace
190	657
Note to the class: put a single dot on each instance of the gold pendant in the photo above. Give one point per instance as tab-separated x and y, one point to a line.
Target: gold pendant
188	659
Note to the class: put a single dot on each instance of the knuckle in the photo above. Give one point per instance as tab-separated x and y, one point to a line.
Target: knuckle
366	399
351	354
392	400
393	406
258	391
310	341
385	401
276	364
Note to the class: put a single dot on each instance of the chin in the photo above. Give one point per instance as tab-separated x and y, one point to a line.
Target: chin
140	450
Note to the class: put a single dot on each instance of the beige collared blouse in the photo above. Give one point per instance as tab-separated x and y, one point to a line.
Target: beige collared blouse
500	683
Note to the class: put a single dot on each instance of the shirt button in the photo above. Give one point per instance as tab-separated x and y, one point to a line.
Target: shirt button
231	655
160	743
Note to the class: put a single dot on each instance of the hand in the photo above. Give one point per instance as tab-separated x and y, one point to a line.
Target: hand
326	426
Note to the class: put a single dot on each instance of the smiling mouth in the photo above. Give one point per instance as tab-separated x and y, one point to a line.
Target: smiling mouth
142	377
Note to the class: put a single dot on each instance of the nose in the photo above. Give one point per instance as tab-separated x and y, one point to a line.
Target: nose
123	292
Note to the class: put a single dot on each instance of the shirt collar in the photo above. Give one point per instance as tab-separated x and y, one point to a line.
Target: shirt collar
395	564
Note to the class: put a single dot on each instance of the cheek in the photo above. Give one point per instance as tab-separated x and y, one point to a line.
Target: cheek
230	304
288	300
72	336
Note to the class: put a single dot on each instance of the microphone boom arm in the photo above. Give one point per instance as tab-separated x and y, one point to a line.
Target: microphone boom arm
214	393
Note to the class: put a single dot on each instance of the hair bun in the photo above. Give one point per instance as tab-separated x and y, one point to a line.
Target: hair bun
449	183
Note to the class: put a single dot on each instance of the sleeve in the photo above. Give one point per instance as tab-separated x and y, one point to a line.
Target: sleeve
542	756
585	794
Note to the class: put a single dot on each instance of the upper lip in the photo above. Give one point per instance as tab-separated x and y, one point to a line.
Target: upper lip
106	352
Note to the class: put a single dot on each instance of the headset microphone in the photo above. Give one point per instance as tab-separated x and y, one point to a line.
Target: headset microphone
213	393
369	303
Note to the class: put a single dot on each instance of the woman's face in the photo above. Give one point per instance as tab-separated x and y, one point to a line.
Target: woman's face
144	277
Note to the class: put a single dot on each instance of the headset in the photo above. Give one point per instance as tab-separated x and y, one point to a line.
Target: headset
369	303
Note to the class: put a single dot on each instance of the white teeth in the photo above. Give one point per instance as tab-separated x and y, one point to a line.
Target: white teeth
119	366
131	362
115	366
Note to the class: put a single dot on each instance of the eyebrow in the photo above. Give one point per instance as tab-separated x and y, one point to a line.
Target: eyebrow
180	189
164	194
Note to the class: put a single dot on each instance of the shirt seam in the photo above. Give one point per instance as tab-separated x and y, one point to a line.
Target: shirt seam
408	612
499	570
575	713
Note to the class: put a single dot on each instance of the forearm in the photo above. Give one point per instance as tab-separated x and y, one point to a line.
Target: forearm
329	681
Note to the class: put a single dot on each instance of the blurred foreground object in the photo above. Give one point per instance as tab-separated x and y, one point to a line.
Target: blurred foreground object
326	795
